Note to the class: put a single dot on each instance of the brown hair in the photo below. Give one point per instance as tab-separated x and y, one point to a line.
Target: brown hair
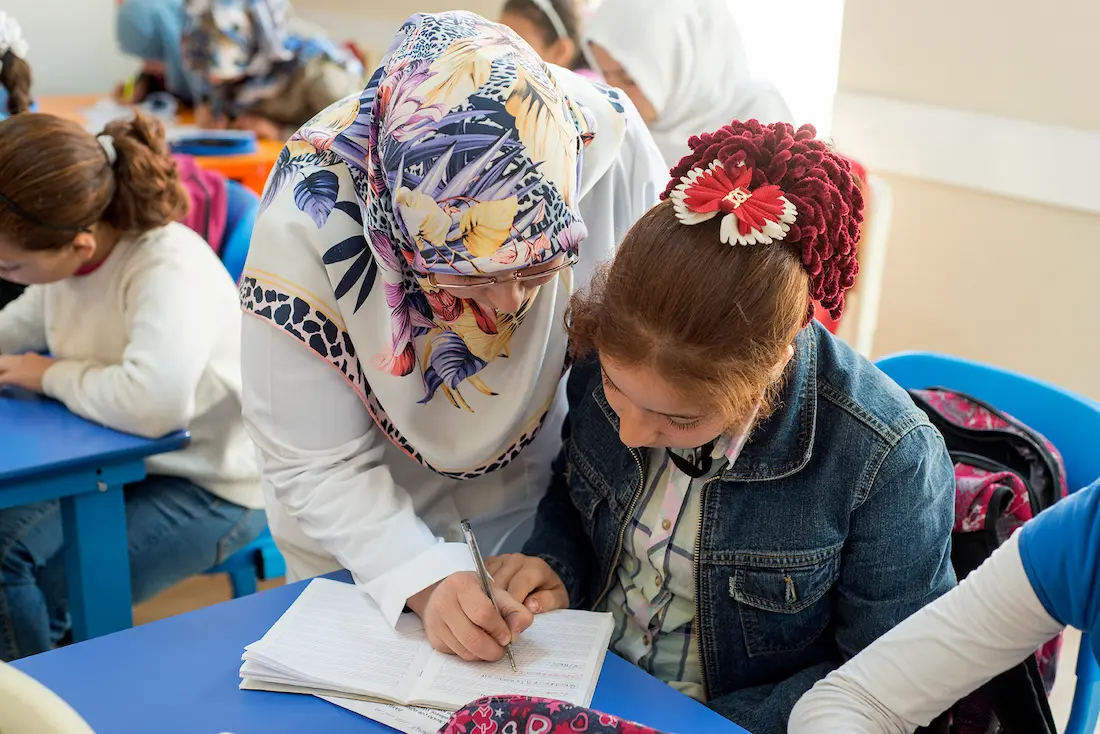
568	11
15	75
57	180
716	319
678	300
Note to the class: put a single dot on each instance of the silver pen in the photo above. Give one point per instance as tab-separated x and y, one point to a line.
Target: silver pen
485	578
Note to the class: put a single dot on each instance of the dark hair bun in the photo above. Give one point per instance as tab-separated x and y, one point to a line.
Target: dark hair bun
812	177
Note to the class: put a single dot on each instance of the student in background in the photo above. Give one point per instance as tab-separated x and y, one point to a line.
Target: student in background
404	355
151	30
15	97
554	29
256	73
142	325
15	72
683	64
735	482
1047	576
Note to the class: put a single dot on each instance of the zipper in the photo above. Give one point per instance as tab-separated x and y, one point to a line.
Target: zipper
981	462
622	529
1019	431
698	585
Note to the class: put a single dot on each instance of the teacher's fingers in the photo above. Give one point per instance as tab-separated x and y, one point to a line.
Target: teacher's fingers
447	642
516	615
479	626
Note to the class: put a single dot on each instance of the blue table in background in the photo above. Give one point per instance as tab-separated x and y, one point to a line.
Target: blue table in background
48	453
180	676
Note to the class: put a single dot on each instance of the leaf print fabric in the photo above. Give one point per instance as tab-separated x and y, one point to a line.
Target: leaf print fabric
466	163
464	155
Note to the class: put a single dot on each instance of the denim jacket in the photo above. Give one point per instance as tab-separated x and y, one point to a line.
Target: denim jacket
832	526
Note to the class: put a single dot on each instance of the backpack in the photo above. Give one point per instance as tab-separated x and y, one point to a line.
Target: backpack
525	715
1005	474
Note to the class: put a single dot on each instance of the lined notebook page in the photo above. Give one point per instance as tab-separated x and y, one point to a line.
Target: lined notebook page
333	637
405	719
560	657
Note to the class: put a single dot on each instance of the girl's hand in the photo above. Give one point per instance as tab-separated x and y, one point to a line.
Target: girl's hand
530	579
460	619
24	370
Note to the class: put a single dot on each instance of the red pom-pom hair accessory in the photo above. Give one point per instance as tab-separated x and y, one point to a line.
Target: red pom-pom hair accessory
757	216
775	184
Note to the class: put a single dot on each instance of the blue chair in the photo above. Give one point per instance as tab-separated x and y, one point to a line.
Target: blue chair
260	559
241	209
1071	422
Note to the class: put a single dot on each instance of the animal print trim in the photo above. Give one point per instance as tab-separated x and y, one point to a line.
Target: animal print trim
332	344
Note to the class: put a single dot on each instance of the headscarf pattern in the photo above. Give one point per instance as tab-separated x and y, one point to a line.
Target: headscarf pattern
462	156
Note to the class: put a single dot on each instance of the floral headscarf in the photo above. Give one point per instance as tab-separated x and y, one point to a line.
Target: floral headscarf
463	155
244	52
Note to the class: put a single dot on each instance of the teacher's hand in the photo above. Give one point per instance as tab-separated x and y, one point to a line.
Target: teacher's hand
530	579
460	619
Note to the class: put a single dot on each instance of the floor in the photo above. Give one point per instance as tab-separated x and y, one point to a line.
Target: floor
202	591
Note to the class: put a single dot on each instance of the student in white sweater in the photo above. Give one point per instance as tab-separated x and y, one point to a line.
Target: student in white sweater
143	327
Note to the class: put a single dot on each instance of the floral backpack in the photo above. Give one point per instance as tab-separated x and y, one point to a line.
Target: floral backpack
523	715
1005	474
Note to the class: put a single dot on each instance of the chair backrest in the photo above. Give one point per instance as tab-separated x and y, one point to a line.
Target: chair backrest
28	707
1070	421
243	207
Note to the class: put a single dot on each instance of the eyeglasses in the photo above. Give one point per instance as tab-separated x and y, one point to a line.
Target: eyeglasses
518	276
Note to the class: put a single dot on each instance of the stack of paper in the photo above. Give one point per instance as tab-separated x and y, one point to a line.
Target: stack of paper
334	642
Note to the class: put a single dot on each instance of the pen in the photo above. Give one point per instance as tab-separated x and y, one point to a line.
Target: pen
485	578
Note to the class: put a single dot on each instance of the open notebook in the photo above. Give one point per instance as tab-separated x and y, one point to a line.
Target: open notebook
333	641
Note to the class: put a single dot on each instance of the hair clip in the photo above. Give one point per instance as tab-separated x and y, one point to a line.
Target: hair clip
752	216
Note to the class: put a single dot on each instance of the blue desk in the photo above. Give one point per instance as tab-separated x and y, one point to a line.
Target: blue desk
48	453
180	676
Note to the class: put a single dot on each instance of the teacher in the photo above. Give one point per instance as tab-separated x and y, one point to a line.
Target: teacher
409	275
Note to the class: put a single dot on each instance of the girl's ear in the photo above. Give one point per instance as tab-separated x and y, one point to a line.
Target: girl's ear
562	52
84	245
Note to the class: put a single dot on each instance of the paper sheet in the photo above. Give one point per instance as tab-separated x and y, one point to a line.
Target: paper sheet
403	718
333	637
560	657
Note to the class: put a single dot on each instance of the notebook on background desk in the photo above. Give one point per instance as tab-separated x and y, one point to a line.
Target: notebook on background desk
334	642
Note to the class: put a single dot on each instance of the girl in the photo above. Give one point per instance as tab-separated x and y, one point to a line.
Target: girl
553	28
1043	579
257	74
736	483
141	323
151	30
15	73
407	282
683	65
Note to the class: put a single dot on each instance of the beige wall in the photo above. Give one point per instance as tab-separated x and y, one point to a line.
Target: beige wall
371	23
996	279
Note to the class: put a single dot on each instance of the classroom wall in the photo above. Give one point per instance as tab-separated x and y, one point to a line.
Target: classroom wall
72	44
979	264
372	23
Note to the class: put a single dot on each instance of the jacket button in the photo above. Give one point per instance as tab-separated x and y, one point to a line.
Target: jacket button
666	524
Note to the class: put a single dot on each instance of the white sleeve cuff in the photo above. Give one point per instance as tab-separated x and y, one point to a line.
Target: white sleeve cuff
59	379
392	589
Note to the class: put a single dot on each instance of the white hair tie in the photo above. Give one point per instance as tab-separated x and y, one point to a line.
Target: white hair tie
11	38
108	144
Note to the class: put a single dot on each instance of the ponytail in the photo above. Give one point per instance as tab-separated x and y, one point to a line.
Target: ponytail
15	75
57	180
148	192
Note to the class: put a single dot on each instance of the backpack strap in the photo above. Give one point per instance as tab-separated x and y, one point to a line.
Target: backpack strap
1019	700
